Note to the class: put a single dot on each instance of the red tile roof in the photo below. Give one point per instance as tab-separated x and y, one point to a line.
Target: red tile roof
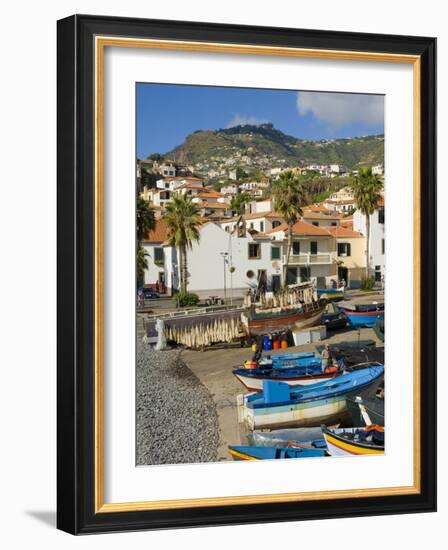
209	204
210	195
303	228
343	232
159	234
321	216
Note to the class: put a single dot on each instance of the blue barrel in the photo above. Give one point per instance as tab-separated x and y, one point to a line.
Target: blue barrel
267	343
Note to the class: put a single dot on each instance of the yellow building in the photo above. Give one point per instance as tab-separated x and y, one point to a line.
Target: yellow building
350	255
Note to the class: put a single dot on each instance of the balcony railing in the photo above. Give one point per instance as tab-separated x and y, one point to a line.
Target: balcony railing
310	259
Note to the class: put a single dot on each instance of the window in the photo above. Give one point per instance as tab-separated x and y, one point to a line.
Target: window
377	273
159	257
313	247
275	224
316	223
275	253
262	227
254	251
296	248
344	249
383	246
334	224
381	215
251	225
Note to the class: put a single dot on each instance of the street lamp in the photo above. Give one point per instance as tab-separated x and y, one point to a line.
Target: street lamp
224	258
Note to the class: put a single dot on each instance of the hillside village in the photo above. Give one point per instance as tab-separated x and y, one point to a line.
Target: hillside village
243	241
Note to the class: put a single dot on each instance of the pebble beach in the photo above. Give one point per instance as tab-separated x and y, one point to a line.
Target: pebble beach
176	415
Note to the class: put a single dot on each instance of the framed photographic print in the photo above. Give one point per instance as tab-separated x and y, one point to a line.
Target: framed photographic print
237	208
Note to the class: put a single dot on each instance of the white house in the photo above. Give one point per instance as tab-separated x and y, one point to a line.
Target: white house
155	254
262	222
376	239
172	183
313	255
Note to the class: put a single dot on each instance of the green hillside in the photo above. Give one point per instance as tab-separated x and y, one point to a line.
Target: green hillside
262	147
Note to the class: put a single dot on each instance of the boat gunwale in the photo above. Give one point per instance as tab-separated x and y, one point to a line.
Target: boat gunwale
319	397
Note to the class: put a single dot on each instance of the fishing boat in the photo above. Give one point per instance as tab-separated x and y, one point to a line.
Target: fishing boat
288	360
362	315
297	307
241	452
331	294
354	441
279	405
368	408
252	379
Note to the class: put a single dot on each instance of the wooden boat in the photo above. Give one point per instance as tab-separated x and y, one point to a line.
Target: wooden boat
252	379
362	315
279	405
268	453
354	441
258	321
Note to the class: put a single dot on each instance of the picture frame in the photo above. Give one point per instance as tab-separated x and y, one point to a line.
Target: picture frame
82	41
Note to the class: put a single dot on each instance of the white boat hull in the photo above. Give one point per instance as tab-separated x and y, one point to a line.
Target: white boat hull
291	416
256	384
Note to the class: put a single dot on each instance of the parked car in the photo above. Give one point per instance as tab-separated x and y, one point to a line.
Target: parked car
148	293
334	321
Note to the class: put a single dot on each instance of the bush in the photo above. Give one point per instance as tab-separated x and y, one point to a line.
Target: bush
186	299
367	283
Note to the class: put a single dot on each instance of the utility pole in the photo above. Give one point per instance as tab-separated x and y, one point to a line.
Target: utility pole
224	257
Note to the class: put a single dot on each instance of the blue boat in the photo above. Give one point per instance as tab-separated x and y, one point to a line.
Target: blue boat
241	452
252	379
362	315
288	360
279	405
331	293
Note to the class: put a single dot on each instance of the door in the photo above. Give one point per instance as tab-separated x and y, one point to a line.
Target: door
291	276
343	275
305	274
276	283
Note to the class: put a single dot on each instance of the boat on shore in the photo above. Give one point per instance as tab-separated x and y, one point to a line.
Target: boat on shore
354	441
252	379
295	308
241	452
289	360
279	405
362	315
331	294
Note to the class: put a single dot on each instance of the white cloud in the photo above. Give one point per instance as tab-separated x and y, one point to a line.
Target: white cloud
242	120
339	110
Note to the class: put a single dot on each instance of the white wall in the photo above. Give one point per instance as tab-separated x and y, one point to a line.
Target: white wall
206	265
377	234
28	356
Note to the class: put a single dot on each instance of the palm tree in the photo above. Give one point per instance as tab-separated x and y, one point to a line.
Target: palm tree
183	221
146	222
288	195
366	188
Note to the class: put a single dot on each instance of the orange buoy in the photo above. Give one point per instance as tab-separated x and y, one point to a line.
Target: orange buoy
284	344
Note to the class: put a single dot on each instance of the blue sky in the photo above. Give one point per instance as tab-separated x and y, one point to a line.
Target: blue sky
167	113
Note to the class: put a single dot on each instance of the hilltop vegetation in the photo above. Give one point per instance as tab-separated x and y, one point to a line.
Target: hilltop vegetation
261	148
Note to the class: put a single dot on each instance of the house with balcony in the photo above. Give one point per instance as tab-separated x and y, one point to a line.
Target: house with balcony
350	249
313	254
